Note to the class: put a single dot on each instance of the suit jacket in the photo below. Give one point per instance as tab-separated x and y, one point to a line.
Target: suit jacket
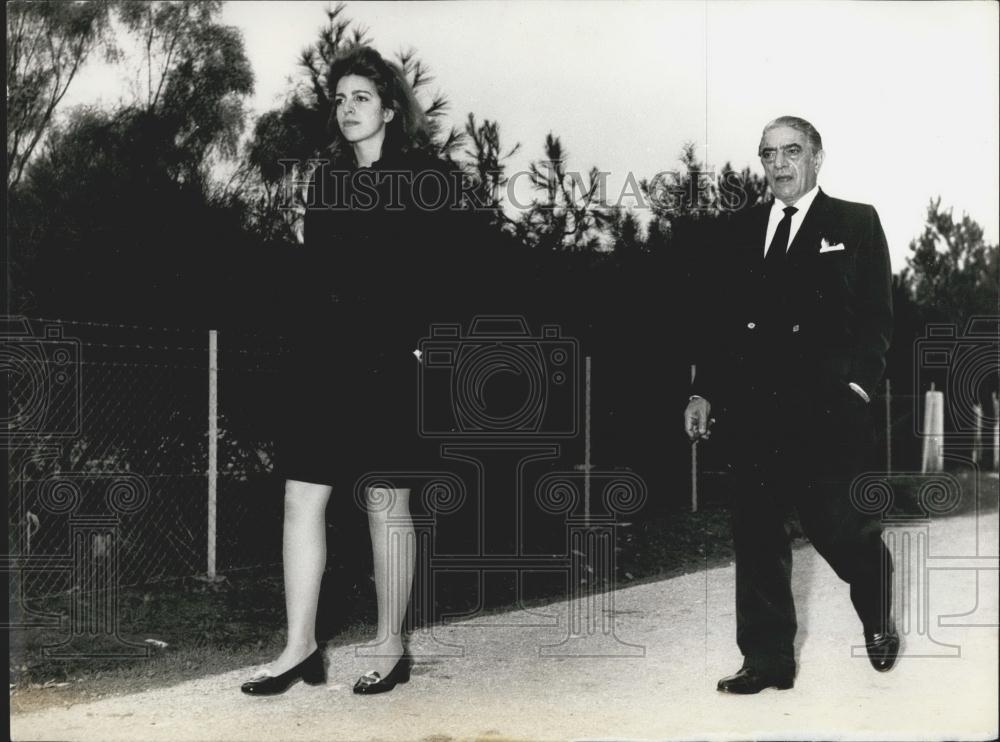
832	322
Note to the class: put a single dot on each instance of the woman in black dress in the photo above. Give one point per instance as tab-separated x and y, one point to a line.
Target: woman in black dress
376	262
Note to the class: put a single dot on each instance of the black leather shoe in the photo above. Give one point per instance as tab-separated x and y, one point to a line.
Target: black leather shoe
310	670
883	648
372	682
748	680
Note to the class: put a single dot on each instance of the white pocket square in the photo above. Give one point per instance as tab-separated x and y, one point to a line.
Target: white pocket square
825	246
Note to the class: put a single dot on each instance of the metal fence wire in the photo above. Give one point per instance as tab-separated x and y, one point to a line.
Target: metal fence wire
111	422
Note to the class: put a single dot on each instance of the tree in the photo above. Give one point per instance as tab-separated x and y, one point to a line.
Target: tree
571	212
121	198
740	190
953	273
193	77
688	193
488	170
47	43
445	140
127	234
677	197
626	232
657	234
260	184
693	194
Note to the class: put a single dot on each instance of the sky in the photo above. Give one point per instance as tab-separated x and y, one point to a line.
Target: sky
904	94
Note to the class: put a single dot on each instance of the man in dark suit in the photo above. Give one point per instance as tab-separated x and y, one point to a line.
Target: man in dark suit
789	367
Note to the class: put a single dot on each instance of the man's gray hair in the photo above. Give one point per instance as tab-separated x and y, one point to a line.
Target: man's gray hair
801	125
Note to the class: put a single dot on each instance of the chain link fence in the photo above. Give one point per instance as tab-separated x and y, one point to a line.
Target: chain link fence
110	421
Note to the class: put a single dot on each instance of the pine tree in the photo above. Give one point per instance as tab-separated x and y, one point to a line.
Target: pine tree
953	273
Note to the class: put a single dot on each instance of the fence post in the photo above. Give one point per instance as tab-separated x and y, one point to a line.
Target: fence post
933	458
977	440
694	458
996	432
213	444
586	441
888	427
694	476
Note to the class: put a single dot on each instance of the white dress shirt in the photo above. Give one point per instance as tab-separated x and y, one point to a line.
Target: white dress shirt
778	213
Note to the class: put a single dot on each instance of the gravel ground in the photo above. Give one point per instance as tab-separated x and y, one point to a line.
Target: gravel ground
644	668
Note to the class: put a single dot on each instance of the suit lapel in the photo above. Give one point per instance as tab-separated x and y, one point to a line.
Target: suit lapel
807	239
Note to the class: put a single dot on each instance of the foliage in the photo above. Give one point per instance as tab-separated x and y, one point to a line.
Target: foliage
117	203
570	214
196	74
953	273
488	170
693	194
740	190
143	185
47	43
686	193
626	232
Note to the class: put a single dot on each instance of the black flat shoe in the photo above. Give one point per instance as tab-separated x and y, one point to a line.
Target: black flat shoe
310	671
883	648
748	680
372	682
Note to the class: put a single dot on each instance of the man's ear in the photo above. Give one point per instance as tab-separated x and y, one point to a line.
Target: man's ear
818	159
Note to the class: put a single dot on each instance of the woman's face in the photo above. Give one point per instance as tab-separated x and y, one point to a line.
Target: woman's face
360	114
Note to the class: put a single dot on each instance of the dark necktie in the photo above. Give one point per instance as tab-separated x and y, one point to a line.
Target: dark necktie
775	257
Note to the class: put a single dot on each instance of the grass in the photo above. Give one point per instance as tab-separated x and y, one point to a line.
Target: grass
211	628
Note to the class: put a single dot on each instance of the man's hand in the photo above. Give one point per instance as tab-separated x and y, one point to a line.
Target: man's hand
696	418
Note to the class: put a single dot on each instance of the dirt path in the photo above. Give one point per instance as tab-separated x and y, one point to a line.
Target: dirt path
654	678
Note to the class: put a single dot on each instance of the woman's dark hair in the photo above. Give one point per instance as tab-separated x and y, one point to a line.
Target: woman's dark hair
408	129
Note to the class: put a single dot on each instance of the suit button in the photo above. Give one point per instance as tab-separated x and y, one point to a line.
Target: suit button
751	325
795	328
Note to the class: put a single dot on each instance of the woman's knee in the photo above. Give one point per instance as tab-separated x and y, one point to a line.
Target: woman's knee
305	499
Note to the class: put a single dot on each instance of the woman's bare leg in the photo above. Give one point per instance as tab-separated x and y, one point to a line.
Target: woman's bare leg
394	554
304	557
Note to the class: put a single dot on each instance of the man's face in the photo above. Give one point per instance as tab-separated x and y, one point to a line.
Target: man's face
789	163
